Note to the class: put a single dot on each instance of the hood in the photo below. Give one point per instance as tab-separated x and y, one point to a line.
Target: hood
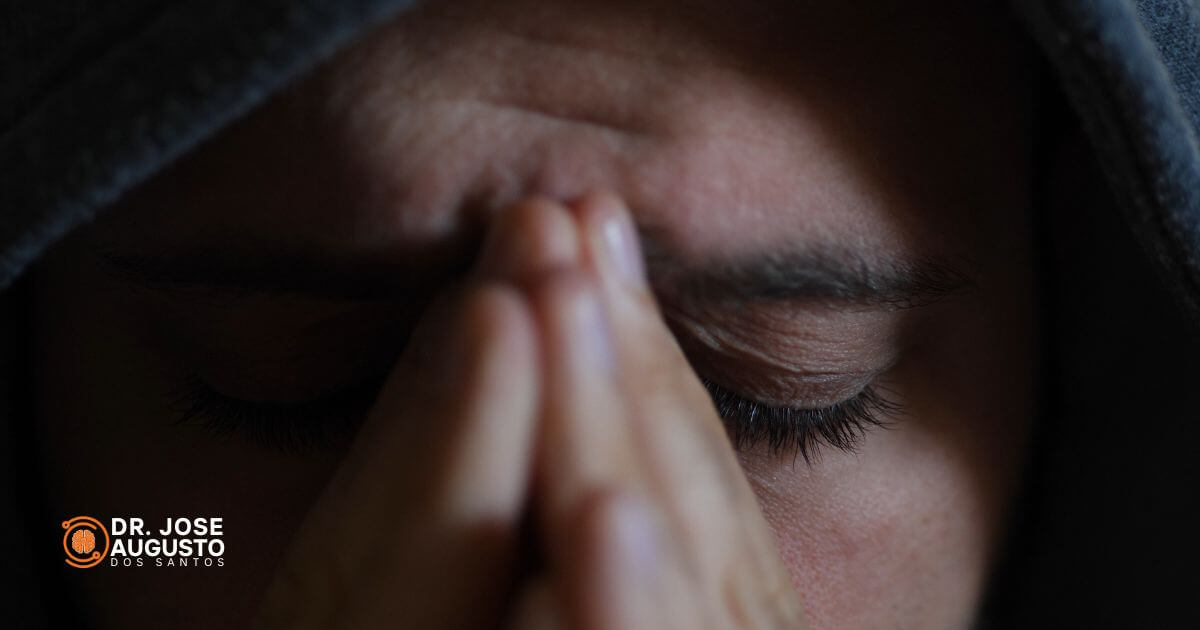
97	97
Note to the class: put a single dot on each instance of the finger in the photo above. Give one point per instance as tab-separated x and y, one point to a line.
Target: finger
586	441
586	454
485	409
419	524
647	353
708	504
681	435
536	243
612	251
623	573
528	238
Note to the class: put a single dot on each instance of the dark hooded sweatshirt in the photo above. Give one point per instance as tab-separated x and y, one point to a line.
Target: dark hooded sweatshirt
97	97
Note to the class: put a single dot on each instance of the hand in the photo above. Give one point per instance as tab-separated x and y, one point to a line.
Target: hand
644	513
647	518
418	527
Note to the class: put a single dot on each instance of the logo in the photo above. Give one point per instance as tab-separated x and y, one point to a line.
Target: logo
180	542
83	542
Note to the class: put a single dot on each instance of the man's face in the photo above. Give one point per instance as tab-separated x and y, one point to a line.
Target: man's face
834	200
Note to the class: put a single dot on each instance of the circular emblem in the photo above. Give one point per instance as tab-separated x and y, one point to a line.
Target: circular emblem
85	540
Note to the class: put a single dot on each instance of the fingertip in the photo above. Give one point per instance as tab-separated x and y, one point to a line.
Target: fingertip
529	236
615	254
611	238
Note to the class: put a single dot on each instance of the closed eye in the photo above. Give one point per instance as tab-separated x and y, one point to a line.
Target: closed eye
300	427
304	427
802	431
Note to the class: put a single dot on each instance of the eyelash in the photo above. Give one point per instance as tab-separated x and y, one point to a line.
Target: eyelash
290	427
798	430
305	427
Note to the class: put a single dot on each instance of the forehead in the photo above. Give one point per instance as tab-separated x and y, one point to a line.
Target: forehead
728	128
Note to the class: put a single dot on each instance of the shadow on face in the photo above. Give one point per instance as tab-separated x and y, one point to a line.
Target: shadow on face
285	261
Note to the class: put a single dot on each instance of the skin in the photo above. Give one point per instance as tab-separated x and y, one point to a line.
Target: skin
729	132
630	487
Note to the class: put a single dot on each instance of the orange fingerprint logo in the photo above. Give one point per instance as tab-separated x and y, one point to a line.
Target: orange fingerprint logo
79	541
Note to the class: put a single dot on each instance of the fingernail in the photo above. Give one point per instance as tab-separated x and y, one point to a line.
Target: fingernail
621	242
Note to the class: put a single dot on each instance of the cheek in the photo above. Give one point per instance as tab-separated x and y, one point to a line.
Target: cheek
896	535
901	533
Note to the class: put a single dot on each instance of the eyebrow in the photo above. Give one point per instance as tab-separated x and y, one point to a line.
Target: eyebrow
803	275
